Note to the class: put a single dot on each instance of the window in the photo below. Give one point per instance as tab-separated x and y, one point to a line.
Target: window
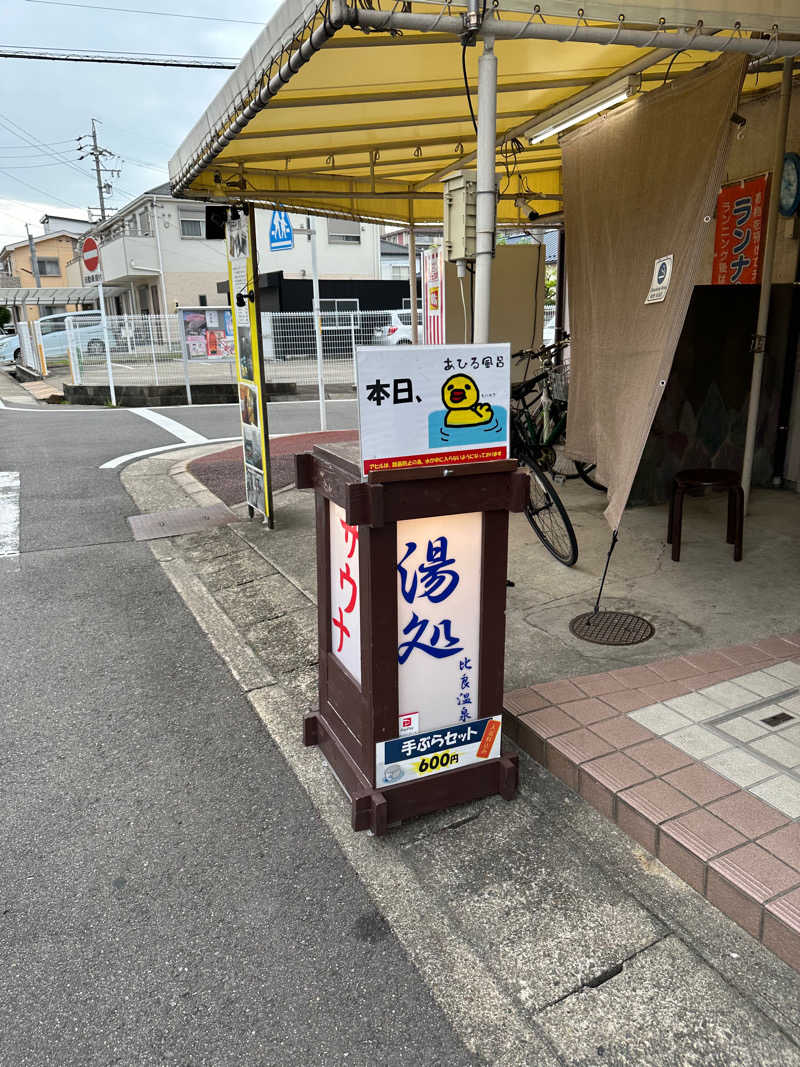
144	223
52	326
191	224
344	232
338	313
202	300
399	271
48	268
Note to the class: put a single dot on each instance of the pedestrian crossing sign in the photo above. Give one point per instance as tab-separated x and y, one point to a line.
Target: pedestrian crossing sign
281	235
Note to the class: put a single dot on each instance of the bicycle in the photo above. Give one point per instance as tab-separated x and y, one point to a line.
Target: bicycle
538	421
543	400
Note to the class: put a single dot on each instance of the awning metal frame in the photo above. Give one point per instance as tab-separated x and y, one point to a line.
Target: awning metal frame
336	14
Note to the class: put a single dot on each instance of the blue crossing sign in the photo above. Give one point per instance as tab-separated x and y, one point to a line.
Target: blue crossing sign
281	235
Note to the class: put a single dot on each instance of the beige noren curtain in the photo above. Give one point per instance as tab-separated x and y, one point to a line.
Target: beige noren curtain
639	184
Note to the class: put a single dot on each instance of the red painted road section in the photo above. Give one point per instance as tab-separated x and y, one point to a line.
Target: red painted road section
223	472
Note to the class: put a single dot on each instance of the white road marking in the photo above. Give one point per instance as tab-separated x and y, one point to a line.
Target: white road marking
86	409
9	514
112	464
177	429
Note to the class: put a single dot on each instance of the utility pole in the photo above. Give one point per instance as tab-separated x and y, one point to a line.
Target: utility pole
97	153
34	261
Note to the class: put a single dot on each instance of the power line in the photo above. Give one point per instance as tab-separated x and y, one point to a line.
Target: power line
20	132
24	135
140	11
36	166
50	144
36	188
144	59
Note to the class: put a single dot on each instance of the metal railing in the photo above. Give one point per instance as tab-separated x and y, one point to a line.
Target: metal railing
141	350
145	350
290	347
28	351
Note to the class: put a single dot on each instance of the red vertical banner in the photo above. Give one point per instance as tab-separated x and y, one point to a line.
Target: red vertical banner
739	237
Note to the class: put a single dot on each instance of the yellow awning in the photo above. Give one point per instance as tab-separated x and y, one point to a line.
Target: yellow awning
327	119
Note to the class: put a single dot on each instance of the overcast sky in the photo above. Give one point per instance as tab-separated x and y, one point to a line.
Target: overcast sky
145	111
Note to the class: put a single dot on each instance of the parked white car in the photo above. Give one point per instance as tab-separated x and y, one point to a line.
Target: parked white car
396	332
9	349
87	331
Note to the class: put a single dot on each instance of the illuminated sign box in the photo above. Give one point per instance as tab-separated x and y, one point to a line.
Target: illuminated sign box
411	568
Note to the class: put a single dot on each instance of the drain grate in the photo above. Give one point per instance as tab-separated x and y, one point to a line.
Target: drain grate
778	720
611	628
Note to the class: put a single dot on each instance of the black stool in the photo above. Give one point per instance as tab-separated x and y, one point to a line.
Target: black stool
717	481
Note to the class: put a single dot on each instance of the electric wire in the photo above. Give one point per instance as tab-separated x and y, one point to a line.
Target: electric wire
669	67
141	11
466	83
100	55
36	188
464	306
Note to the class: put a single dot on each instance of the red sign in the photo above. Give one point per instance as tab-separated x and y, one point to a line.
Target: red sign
436	459
91	254
739	239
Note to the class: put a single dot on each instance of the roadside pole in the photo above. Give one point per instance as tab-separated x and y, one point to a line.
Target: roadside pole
104	324
768	264
486	207
312	233
412	275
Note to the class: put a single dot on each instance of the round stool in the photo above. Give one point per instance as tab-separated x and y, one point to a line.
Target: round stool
717	481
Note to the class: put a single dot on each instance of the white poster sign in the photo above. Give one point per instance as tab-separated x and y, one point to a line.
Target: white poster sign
662	275
426	405
422	755
345	596
438	618
238	255
433	295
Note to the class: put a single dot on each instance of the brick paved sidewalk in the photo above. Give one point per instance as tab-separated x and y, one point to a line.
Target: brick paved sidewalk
698	759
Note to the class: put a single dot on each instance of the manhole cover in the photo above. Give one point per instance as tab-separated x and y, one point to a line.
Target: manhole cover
179	521
611	628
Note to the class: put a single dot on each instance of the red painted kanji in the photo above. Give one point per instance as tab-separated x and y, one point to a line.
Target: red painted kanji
346	576
343	631
350	537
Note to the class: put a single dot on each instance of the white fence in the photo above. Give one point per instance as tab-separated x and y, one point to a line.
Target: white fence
145	350
28	351
549	327
290	342
118	350
149	350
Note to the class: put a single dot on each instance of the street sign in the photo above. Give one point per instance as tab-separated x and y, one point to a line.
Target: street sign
281	235
91	255
428	406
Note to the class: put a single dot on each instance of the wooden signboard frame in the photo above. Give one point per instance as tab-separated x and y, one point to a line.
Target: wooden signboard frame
352	718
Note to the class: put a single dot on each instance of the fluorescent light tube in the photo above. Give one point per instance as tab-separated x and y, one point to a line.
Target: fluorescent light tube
591	105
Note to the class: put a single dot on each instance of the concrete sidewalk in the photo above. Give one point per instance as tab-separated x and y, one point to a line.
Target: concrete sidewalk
544	933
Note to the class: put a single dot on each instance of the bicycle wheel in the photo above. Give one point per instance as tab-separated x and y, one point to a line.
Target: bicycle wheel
585	471
548	517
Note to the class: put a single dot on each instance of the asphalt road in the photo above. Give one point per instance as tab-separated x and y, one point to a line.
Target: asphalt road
169	895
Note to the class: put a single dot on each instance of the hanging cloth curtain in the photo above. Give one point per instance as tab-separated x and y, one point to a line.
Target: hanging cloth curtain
640	186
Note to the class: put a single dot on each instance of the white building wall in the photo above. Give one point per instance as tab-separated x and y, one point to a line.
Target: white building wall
335	259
